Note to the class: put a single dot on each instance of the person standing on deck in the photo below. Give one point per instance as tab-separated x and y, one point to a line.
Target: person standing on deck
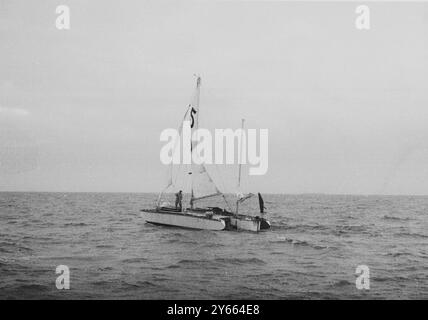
178	198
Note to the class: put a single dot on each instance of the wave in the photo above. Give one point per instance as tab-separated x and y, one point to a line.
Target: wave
303	227
40	238
394	218
33	287
134	260
292	241
398	254
145	283
342	283
24	249
100	283
104	246
389	279
75	224
4	250
413	235
186	241
217	262
352	228
298	242
240	261
105	269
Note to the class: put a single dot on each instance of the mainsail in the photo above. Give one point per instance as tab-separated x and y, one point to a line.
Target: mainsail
202	184
170	172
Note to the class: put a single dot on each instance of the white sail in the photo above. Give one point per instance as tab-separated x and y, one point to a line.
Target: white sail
174	150
203	185
171	181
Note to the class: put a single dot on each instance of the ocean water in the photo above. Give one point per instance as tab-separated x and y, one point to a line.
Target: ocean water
311	252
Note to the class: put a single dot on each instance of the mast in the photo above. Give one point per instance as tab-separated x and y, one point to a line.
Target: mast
240	161
194	112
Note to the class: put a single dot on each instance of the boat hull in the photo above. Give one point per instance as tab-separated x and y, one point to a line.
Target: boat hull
247	223
183	220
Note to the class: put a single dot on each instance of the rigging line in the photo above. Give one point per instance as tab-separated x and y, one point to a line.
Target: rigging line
174	182
223	185
227	203
188	182
178	173
180	131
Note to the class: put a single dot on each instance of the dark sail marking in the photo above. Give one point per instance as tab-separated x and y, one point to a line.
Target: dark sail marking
193	111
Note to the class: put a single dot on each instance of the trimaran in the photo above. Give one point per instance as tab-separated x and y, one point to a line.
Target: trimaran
207	218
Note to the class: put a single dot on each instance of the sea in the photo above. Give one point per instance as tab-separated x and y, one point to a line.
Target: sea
316	249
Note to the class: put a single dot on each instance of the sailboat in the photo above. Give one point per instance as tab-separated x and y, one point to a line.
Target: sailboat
203	187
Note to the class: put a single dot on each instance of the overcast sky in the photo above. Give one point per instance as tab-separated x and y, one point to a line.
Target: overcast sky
82	109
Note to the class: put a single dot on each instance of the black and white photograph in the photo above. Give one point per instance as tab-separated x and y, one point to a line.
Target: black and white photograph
224	150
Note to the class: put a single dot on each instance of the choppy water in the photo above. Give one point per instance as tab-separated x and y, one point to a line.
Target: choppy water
312	251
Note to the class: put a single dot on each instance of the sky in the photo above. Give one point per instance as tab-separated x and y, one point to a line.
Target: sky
82	109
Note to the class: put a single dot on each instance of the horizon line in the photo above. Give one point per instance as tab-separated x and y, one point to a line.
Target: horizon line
226	193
